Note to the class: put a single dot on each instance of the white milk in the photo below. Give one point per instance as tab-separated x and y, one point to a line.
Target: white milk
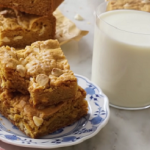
121	57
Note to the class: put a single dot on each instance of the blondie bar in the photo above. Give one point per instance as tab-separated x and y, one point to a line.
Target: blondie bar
41	70
19	29
36	123
142	5
37	7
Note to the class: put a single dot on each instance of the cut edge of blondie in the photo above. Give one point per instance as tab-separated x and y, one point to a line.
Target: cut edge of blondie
20	29
45	8
36	123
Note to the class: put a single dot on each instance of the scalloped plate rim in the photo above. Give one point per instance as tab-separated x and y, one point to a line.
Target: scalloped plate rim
67	144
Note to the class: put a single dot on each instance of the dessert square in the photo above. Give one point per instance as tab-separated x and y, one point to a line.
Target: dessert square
40	70
19	29
36	123
142	5
37	7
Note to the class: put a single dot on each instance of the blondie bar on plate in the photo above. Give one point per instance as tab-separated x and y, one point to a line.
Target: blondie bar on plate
38	7
36	123
41	70
19	29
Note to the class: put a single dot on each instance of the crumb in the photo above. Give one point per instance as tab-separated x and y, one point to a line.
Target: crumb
89	22
61	35
78	17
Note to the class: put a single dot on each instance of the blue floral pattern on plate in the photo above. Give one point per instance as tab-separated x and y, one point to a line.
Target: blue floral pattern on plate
83	129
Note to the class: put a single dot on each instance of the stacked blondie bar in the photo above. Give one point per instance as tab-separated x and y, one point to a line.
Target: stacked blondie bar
38	93
24	22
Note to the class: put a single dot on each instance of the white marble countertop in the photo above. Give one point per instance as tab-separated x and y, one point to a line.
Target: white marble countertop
126	130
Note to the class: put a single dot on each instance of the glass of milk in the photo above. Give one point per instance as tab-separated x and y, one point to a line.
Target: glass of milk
121	57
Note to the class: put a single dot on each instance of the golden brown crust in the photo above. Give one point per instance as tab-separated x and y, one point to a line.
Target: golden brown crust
143	5
20	29
38	7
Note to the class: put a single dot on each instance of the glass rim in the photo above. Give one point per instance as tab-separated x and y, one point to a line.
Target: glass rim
107	12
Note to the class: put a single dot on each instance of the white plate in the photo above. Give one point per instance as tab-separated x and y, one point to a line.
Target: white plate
76	133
